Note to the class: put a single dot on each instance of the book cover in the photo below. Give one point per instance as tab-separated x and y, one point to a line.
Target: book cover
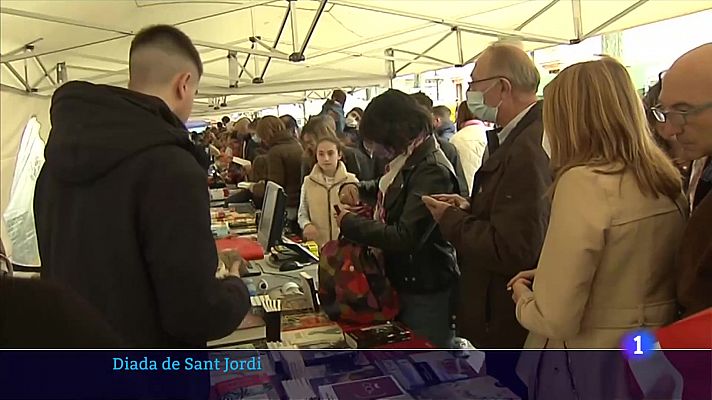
377	335
322	336
382	387
257	386
439	367
329	378
296	321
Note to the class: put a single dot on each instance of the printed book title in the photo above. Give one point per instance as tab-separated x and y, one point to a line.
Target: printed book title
224	364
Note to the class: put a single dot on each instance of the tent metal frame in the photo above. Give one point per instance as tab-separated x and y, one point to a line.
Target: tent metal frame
271	52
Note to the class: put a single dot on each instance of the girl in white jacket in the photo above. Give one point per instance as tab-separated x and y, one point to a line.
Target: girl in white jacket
320	192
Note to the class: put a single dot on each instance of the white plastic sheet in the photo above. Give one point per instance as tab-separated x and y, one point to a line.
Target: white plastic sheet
19	214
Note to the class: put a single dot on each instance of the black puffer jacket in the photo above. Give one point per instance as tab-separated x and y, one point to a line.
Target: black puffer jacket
410	268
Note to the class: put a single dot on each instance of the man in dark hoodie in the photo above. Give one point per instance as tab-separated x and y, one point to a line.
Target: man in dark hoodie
334	107
444	127
122	207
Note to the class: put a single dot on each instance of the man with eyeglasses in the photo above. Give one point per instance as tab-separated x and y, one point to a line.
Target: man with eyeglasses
685	110
500	229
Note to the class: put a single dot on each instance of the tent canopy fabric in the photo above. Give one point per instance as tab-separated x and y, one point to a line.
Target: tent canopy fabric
252	49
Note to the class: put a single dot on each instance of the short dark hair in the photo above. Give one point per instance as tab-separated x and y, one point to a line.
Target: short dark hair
423	99
394	119
169	39
289	123
225	120
220	125
357	110
339	95
442	112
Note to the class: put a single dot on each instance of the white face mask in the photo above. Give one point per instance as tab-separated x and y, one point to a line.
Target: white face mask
545	144
481	111
351	122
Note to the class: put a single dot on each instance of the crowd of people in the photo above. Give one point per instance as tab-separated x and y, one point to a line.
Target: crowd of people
555	223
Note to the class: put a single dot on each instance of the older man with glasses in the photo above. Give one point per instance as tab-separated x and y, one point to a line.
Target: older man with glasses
685	110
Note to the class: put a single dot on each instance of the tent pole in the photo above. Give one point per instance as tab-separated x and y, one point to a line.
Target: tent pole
244	65
252	51
66	21
293	23
248	6
483	30
620	15
312	27
390	67
447	35
124	33
18	77
368	40
276	42
578	24
268	47
536	15
47	74
460	56
425	56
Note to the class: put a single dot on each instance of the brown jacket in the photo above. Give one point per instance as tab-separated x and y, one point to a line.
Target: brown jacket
284	163
501	235
694	260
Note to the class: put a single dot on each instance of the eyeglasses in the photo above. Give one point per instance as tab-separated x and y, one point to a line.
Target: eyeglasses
470	86
676	117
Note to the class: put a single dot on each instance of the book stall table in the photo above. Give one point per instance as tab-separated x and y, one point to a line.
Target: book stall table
358	374
312	358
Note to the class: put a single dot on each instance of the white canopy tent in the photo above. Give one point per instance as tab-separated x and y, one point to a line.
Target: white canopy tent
260	53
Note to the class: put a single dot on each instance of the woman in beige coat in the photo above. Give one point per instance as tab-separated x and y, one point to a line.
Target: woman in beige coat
617	217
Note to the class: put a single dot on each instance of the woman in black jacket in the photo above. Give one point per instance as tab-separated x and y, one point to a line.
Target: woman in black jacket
420	264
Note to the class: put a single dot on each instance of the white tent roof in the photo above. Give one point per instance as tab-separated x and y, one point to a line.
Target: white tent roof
345	43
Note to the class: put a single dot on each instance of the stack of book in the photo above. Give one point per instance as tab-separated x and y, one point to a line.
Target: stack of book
377	335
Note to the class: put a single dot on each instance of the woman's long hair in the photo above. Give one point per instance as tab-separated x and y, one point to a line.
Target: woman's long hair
593	116
271	128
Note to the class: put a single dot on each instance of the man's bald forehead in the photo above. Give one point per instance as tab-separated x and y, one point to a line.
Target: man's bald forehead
689	79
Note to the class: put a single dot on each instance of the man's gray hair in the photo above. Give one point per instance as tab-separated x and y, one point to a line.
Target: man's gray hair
514	64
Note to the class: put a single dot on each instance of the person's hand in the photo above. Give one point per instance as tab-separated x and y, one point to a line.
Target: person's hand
310	232
519	288
231	261
454	200
436	207
349	195
527	276
340	215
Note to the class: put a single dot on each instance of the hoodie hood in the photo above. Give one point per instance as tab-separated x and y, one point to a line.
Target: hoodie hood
96	127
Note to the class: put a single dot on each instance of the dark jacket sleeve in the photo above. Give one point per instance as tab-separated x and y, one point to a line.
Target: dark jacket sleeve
404	235
511	240
180	252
